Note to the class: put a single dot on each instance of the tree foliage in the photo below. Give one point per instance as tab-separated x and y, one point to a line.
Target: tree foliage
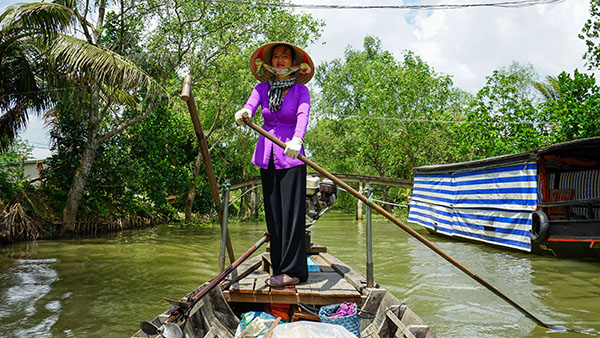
576	108
503	118
11	175
112	76
380	116
590	33
24	33
101	76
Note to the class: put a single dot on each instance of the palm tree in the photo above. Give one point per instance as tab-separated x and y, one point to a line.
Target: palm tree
22	85
549	89
34	47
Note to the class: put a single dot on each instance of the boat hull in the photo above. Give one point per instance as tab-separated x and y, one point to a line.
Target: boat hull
218	313
574	247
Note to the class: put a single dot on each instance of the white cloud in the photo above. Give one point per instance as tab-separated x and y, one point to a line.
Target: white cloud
469	43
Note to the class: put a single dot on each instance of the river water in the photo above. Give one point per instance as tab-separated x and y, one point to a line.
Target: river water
103	287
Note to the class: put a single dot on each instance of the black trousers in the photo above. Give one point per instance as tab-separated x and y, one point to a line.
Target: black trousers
284	194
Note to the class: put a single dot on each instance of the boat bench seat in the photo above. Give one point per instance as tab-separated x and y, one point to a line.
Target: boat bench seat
560	195
326	286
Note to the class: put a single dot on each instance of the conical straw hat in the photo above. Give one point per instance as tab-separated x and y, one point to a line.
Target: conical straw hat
264	53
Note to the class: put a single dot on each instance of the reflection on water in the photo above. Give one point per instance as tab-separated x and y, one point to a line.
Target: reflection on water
106	286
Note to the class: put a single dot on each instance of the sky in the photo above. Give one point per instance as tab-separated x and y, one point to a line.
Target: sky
467	44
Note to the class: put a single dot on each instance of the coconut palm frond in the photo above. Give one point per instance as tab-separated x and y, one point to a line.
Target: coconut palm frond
93	63
125	98
549	89
19	90
41	17
553	81
542	89
11	122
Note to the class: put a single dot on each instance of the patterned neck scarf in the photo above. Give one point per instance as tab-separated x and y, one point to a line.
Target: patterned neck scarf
276	91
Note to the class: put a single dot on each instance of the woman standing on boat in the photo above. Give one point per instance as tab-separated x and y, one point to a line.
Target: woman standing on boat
282	69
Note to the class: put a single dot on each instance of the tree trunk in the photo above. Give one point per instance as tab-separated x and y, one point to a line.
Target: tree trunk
386	197
191	195
245	206
83	170
254	201
91	144
245	202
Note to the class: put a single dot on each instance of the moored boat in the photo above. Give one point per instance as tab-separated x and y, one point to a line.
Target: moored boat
545	201
330	281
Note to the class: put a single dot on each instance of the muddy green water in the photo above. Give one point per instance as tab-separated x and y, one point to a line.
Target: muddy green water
104	287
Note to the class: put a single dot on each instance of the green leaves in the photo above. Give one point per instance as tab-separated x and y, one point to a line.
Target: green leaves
576	107
88	63
42	18
378	115
590	34
152	42
504	117
24	31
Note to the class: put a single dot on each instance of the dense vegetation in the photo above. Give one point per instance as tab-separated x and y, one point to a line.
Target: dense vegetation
107	83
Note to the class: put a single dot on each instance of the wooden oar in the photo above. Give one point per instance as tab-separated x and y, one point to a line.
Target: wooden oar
406	228
185	306
188	97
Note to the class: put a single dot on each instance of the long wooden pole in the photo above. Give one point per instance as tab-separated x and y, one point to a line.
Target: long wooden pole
232	267
188	97
183	307
406	228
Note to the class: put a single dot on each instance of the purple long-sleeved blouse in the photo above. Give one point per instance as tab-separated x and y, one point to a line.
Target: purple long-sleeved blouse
291	120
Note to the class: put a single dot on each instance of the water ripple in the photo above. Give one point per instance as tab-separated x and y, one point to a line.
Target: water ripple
24	307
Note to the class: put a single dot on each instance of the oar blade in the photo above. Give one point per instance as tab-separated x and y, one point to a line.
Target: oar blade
557	328
148	328
170	330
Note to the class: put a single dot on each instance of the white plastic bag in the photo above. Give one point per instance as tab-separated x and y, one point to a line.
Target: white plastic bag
306	329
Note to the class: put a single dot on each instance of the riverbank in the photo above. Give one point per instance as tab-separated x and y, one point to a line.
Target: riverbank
32	215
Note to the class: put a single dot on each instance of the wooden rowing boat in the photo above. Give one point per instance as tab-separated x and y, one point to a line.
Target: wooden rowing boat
330	282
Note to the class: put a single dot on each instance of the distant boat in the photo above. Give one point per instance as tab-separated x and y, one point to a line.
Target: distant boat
545	201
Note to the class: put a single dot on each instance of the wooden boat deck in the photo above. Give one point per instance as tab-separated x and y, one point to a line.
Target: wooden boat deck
217	314
326	286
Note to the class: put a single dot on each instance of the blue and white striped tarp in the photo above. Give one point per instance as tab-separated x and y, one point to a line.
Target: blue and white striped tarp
492	205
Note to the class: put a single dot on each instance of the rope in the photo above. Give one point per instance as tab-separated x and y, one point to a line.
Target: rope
399	119
390	203
244	193
380	201
545	123
342	117
230	203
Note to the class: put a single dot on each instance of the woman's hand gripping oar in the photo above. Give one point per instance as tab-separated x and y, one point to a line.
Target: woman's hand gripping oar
406	228
170	329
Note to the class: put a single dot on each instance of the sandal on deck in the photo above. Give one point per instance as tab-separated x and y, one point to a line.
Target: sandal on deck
280	281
